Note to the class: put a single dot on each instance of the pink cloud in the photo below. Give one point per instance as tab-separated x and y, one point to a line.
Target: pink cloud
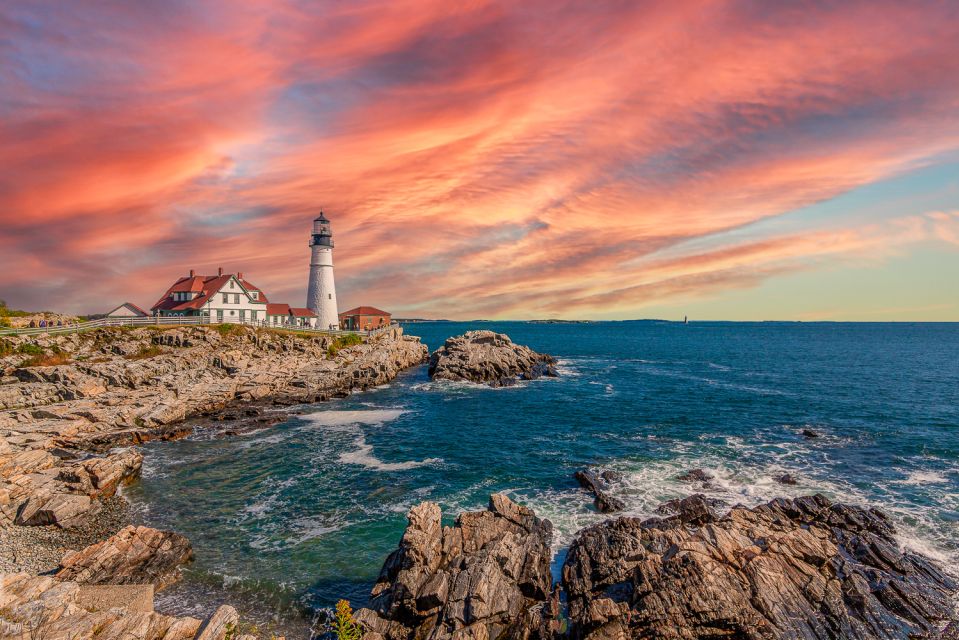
490	158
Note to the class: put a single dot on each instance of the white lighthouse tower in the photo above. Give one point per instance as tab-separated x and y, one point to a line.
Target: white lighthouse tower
321	297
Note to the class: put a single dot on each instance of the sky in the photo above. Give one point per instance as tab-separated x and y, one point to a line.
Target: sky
538	159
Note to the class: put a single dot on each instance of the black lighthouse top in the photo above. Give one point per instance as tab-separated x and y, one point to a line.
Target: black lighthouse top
322	232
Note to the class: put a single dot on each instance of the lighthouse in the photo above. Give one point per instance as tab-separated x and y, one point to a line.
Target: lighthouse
321	297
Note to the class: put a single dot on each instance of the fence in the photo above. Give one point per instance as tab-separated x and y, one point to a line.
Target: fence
167	321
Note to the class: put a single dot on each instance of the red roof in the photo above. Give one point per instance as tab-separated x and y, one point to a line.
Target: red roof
366	311
302	313
277	309
206	286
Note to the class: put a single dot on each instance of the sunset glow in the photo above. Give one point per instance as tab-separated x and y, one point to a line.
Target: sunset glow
730	160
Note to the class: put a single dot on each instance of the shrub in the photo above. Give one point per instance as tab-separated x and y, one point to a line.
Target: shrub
31	349
7	312
229	329
344	626
342	342
146	351
46	360
6	348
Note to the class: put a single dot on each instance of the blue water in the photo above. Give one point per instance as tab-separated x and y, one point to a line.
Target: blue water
303	513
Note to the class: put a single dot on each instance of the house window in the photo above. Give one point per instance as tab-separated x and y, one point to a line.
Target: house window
219	315
253	294
236	298
226	297
232	312
253	316
231	284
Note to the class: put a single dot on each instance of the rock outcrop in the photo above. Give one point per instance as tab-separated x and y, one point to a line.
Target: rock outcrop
34	607
696	509
486	577
135	555
488	358
796	569
60	425
597	485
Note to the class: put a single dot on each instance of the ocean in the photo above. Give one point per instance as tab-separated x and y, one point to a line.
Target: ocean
289	519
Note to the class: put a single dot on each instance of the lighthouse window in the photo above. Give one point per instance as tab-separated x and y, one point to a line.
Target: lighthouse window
330	295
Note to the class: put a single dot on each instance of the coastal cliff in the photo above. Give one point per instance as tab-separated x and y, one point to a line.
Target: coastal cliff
117	388
72	406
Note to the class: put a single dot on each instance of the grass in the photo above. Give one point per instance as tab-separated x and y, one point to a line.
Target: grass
146	351
46	360
342	342
7	312
40	358
229	329
31	349
6	348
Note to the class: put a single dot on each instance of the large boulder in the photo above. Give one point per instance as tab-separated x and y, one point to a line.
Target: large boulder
797	569
40	607
65	510
488	358
134	555
597	485
486	577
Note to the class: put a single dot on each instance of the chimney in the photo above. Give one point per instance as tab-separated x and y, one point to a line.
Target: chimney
220	271
192	273
239	275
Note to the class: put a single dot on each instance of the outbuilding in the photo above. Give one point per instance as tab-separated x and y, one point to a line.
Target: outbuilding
364	319
128	310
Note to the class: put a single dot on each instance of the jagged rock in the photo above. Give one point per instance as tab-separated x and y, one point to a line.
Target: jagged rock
696	475
221	624
696	509
786	479
486	577
797	569
809	433
65	510
611	476
488	358
134	555
604	502
39	607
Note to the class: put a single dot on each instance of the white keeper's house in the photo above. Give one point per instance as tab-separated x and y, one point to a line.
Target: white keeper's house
227	297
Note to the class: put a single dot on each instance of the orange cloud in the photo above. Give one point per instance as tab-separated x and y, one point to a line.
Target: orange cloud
483	159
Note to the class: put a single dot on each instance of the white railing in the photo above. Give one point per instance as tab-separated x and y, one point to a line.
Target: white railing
166	321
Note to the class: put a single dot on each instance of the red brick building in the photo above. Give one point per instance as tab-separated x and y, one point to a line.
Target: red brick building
364	319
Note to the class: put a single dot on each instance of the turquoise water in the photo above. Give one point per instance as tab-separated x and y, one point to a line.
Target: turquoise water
293	517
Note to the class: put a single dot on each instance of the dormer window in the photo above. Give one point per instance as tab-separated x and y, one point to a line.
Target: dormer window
255	295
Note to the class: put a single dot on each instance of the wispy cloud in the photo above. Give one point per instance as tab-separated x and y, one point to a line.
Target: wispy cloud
483	159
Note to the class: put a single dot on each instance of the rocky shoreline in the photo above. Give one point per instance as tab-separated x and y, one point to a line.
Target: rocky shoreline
803	569
70	567
66	431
